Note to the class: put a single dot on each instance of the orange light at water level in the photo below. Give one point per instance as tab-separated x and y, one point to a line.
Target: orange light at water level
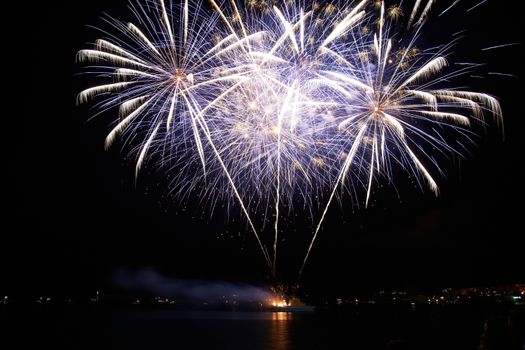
280	303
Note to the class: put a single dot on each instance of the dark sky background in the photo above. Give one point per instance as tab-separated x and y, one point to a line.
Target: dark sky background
73	214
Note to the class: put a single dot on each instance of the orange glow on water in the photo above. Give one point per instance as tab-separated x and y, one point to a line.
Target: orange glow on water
281	316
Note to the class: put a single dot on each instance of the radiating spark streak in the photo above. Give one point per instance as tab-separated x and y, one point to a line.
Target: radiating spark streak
219	44
94	54
348	121
85	95
231	77
144	150
167	23
426	96
464	102
371	175
134	29
425	12
241	21
125	122
336	55
414	12
293	117
459	32
384	63
186	20
448	8
387	52
240	43
395	124
220	97
277	194
335	86
466	64
475	6
458	118
490	101
266	57
288	27
499	46
379	43
130	105
223	17
283	37
349	80
301	25
125	72
172	110
502	74
383	147
277	82
430	68
422	169
103	44
346	23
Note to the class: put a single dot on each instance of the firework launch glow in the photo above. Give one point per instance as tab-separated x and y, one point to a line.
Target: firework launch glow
279	105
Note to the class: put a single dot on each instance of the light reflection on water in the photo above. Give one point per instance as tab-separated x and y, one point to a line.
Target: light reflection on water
272	330
281	316
165	329
280	330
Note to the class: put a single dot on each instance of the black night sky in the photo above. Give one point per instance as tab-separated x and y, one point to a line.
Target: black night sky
73	213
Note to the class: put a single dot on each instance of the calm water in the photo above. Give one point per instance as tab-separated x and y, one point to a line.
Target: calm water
131	328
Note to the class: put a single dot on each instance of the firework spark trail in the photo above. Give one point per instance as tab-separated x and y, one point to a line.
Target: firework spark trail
477	5
448	8
499	46
279	103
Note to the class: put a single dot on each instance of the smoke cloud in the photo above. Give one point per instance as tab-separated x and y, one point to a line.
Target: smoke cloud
147	280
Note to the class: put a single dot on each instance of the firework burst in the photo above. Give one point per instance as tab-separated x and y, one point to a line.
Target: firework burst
272	104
